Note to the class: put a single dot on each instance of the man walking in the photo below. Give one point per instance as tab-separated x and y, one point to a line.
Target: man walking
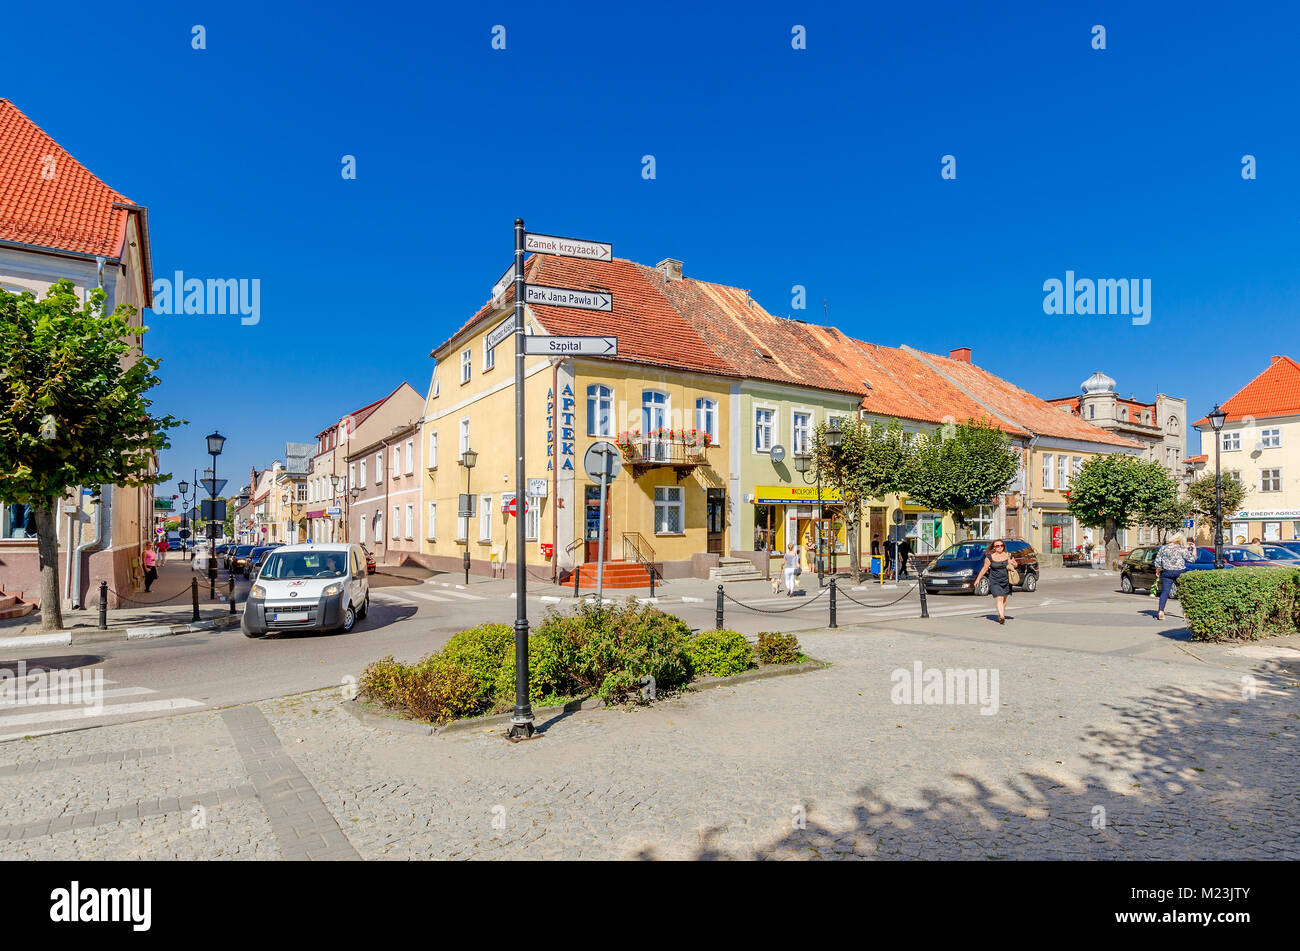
904	552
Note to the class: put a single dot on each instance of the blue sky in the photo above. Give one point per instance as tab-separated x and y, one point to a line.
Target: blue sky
775	167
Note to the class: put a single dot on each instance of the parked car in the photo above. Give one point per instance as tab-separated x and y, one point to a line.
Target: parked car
1291	546
237	558
957	565
1137	571
370	560
1241	556
1279	552
255	559
308	588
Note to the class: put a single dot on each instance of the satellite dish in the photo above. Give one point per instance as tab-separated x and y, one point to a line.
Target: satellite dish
778	453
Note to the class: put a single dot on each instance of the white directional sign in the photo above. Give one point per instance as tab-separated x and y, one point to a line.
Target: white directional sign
567	297
501	286
501	331
571	346
569	247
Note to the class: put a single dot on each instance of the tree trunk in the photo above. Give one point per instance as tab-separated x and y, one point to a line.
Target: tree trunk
47	542
1111	533
852	528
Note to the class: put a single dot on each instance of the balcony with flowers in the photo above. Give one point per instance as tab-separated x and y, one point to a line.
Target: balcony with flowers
682	450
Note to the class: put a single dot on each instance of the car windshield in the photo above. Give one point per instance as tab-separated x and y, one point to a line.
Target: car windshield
304	564
1278	553
243	550
966	551
1240	554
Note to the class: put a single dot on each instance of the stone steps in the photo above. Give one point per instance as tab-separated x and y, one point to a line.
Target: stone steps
13	605
734	569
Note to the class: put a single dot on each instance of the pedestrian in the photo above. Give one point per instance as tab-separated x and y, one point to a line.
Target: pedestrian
904	553
997	565
1256	547
1171	561
875	544
163	549
790	568
150	566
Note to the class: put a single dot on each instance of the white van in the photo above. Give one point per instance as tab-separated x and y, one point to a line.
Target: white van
308	588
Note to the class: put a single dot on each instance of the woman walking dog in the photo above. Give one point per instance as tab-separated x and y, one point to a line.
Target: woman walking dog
1002	575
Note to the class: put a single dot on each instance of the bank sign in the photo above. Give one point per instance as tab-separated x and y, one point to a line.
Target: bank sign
1258	514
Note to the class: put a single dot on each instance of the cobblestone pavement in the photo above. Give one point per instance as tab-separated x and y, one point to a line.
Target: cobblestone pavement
1087	756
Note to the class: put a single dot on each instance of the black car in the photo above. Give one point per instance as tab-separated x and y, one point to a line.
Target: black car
255	559
956	567
237	558
1137	572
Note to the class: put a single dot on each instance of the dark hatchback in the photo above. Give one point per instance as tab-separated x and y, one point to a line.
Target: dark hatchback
255	559
956	567
1137	572
237	558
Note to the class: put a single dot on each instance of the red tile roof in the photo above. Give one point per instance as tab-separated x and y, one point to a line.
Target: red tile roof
48	198
1023	408
1201	458
1275	392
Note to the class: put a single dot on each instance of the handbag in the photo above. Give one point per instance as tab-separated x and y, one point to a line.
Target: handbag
798	570
1013	575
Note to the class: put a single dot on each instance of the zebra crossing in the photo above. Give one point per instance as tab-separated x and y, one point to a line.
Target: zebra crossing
440	593
53	701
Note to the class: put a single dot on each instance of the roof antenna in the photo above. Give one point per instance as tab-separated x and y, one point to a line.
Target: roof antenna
826	311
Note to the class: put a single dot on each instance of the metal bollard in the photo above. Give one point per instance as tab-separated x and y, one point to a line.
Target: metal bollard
925	608
652	581
232	594
194	597
833	624
575	581
718	620
103	605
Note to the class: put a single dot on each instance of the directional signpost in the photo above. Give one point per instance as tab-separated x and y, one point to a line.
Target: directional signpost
521	720
569	297
570	346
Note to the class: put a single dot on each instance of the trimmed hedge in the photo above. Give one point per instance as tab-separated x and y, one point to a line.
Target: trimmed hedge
720	653
1240	603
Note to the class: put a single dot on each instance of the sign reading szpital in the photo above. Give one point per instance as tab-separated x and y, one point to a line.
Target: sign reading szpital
570	346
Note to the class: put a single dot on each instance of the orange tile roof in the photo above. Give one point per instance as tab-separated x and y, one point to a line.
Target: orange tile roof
1201	458
48	199
1023	408
1275	392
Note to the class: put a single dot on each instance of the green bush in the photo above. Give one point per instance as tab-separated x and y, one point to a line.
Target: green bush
776	648
487	652
627	643
1240	603
434	689
719	653
382	681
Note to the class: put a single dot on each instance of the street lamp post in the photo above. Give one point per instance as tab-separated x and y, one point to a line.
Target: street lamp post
1217	417
351	499
832	436
186	501
468	459
334	482
216	442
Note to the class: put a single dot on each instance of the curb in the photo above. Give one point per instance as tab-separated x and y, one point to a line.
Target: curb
95	635
395	724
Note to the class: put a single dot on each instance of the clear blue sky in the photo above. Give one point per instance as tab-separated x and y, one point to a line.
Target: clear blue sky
775	167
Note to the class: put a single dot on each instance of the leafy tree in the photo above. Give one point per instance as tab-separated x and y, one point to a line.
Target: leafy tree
959	468
1117	491
864	466
1199	499
73	410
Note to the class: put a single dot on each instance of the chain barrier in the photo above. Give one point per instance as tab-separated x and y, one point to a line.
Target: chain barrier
804	603
845	594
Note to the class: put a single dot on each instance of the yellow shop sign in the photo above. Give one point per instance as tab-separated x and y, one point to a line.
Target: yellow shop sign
793	494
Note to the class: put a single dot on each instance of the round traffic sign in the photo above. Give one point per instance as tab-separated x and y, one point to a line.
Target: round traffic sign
512	511
602	461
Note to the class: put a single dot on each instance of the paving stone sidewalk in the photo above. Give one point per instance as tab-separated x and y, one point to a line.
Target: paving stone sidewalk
1088	756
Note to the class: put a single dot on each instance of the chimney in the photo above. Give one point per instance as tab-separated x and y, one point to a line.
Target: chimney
961	354
1274	360
671	269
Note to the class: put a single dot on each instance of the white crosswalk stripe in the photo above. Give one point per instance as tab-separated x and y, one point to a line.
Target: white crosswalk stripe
27	708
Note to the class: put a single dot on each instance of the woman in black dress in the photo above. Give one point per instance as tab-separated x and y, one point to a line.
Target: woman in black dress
996	562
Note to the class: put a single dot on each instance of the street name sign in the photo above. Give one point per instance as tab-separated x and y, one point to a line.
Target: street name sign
568	297
571	346
569	247
501	286
500	332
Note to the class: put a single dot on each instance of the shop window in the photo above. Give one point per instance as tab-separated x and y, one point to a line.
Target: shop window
670	509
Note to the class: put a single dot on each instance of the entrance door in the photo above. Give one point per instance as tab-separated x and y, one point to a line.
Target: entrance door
591	523
716	517
877	531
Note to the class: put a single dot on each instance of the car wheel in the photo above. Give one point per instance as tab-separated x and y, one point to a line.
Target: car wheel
1031	582
243	626
983	587
365	608
1126	584
349	619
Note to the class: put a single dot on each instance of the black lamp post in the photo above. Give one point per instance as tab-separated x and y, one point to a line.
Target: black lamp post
468	459
803	462
1217	417
215	443
351	499
186	501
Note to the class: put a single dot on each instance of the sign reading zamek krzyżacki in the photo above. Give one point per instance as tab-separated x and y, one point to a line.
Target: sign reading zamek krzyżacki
569	247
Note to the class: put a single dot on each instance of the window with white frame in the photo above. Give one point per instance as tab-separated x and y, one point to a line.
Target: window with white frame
670	510
1270	480
363	529
465	359
1270	438
489	356
801	433
485	519
706	418
433	449
397	461
379	467
410	520
656	415
1048	482
1231	441
764	428
431	525
397	521
363	473
379	527
1062	472
1076	466
600	410
410	456
464	438
533	518
1232	474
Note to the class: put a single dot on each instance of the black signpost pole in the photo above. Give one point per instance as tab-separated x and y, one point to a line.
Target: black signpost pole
521	723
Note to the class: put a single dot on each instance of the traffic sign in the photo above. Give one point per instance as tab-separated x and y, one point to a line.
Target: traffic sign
500	332
569	247
568	297
570	346
602	461
512	509
503	284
